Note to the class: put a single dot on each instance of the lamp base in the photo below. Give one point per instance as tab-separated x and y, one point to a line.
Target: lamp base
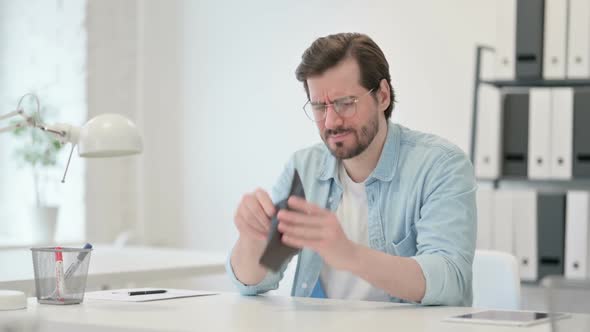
12	300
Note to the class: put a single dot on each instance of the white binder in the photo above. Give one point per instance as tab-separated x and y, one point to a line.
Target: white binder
524	219
578	65
555	37
562	121
488	137
485	218
577	234
539	133
505	68
503	230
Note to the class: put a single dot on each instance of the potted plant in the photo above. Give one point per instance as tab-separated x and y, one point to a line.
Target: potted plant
39	151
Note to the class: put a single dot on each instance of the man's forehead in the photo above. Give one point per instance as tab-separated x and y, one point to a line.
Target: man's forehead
338	81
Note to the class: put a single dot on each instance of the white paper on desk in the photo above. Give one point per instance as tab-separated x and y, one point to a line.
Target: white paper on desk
123	294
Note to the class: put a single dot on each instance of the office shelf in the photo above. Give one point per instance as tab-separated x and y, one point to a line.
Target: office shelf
537	83
537	185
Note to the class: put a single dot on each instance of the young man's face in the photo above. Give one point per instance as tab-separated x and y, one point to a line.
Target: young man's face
346	137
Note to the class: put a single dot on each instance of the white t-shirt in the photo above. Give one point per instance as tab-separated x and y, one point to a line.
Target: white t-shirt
353	216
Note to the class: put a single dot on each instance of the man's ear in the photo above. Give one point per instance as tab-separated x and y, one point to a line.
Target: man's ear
383	95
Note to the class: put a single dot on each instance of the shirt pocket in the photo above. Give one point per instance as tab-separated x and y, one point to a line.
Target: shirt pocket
405	247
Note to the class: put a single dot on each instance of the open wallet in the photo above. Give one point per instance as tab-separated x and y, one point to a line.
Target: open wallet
276	252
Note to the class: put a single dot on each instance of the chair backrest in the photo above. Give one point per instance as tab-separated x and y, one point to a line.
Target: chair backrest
496	281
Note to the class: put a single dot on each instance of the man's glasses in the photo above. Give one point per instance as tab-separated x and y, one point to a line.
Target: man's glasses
344	107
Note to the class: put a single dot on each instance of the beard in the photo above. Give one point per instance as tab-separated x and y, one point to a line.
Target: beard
362	139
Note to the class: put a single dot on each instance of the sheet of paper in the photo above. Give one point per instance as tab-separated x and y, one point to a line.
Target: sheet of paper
123	294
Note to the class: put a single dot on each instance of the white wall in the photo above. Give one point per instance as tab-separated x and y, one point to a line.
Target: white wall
220	107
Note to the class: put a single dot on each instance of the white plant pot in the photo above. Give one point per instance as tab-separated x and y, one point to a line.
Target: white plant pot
44	224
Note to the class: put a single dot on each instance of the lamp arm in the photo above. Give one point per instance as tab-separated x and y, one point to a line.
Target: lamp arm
65	133
12	114
11	128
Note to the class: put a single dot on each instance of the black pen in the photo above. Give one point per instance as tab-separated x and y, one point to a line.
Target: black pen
147	292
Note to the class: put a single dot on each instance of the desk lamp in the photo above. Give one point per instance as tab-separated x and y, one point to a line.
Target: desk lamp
106	135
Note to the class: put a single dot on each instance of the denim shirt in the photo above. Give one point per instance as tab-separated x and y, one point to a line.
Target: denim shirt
421	204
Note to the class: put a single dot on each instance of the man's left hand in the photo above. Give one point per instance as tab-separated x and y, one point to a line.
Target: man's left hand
310	226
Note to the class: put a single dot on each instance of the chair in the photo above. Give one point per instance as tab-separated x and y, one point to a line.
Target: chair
496	281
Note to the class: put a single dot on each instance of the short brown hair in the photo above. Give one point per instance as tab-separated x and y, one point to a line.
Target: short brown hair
326	52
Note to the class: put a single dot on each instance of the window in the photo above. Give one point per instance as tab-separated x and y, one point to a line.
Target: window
42	50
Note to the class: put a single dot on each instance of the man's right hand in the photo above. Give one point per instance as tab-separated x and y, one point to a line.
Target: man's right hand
253	221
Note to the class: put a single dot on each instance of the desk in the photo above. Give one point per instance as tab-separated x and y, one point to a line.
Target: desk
117	265
233	312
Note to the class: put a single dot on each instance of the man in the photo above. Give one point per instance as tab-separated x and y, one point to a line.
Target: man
390	212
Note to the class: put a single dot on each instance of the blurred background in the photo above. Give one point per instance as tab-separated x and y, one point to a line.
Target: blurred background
211	86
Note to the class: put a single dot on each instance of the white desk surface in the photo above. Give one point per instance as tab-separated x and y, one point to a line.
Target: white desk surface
116	265
233	312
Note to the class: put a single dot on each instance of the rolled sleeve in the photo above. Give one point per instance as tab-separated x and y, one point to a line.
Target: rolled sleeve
446	232
270	281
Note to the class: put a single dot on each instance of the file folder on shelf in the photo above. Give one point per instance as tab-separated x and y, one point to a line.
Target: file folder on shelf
551	233
529	39
524	221
562	128
485	218
555	37
488	139
503	230
515	128
505	62
581	155
577	236
539	133
578	65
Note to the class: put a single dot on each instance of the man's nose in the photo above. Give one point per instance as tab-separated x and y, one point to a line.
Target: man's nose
333	119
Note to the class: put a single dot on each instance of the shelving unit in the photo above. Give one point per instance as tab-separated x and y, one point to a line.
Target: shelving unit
533	204
520	182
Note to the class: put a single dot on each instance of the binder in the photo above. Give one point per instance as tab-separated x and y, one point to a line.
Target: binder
562	122
581	155
515	128
555	38
488	136
524	219
577	236
578	65
505	63
529	39
539	133
551	234
503	230
485	218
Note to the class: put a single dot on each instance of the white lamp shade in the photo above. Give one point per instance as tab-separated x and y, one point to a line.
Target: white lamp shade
109	135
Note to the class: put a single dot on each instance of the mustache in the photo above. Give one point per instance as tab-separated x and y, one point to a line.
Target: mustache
337	131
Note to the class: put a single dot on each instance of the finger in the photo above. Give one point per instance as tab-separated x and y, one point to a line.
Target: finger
293	242
298	218
252	221
266	202
248	231
300	232
257	213
301	205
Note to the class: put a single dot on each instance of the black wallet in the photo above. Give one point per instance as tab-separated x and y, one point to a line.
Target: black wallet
276	252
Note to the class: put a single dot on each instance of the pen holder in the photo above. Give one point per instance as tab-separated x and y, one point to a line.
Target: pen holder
60	274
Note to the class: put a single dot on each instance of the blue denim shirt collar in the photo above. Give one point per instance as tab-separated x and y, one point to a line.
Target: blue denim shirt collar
386	167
